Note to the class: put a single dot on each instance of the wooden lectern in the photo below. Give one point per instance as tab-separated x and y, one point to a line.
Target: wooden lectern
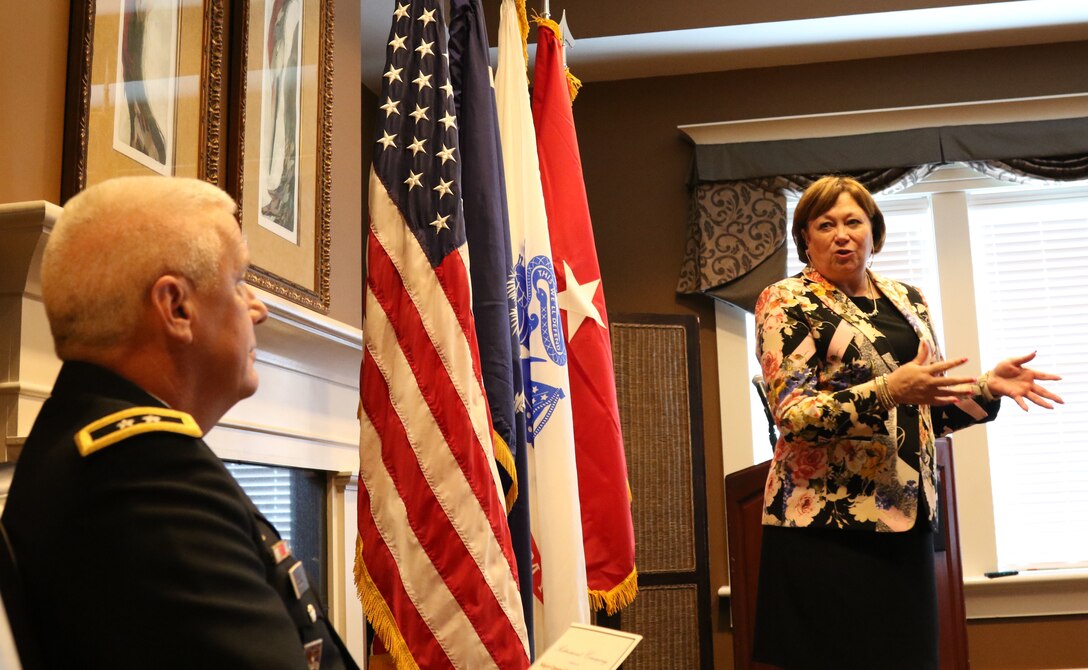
743	510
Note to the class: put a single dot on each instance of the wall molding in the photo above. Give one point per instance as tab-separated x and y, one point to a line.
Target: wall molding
861	122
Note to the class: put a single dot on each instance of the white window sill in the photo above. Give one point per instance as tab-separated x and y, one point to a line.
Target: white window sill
1034	593
1030	593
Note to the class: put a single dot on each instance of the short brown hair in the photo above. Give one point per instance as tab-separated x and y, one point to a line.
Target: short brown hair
821	196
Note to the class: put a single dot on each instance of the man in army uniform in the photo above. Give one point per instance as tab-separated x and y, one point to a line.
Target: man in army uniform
136	547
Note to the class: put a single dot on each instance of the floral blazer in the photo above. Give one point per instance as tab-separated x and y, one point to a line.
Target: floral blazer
836	463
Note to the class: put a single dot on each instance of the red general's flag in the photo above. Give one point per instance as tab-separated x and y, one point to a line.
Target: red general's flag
607	531
434	567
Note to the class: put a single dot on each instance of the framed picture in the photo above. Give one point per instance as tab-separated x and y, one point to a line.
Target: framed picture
145	91
147	74
281	135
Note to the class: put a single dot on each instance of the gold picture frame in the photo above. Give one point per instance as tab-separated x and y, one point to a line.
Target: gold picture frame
281	143
145	91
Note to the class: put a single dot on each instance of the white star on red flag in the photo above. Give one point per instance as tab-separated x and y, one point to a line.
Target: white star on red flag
577	300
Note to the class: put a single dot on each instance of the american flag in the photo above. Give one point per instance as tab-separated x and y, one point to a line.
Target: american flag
435	568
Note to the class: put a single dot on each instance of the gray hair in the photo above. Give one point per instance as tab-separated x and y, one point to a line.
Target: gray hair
110	245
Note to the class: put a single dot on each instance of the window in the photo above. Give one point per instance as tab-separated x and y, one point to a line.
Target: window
270	490
293	500
1030	258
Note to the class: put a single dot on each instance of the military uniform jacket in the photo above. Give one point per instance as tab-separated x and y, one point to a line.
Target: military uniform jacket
139	550
837	462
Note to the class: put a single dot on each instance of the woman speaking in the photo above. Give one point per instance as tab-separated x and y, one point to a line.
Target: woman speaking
858	389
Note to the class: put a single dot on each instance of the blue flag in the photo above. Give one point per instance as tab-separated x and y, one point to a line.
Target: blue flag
493	292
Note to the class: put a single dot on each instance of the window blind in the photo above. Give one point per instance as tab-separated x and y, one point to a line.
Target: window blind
270	489
1031	269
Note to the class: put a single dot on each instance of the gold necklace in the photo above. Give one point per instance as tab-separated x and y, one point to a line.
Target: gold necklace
869	286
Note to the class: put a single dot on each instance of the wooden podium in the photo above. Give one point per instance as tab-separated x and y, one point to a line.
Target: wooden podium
743	510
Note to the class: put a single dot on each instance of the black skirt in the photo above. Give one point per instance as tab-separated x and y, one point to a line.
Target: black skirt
843	600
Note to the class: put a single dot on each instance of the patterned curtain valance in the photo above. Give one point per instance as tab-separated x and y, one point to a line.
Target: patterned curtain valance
901	148
737	231
737	220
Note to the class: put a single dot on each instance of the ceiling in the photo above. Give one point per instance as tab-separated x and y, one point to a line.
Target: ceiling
626	40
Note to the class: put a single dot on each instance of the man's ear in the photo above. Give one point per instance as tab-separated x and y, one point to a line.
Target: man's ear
172	306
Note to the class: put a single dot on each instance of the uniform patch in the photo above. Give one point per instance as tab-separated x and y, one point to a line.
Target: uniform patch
133	421
313	654
281	551
299	581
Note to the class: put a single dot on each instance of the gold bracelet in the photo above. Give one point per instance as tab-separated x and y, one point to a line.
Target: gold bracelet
984	388
883	395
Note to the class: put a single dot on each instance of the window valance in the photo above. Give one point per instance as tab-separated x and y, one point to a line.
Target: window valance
737	218
902	148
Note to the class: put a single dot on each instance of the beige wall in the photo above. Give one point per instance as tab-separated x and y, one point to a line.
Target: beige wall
630	145
348	177
33	54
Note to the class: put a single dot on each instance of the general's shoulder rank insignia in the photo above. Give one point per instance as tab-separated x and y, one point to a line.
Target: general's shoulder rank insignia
133	421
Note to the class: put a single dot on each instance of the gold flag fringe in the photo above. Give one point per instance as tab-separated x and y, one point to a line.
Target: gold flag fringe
378	614
506	460
574	84
550	24
617	597
523	23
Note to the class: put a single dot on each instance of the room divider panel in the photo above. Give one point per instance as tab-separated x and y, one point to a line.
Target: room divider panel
659	393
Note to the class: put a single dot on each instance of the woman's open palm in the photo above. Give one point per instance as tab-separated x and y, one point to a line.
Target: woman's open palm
1010	378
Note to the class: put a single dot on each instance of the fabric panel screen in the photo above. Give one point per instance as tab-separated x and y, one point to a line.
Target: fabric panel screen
658	388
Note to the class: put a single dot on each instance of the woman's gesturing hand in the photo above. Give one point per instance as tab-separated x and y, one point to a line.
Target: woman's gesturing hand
918	383
1010	378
